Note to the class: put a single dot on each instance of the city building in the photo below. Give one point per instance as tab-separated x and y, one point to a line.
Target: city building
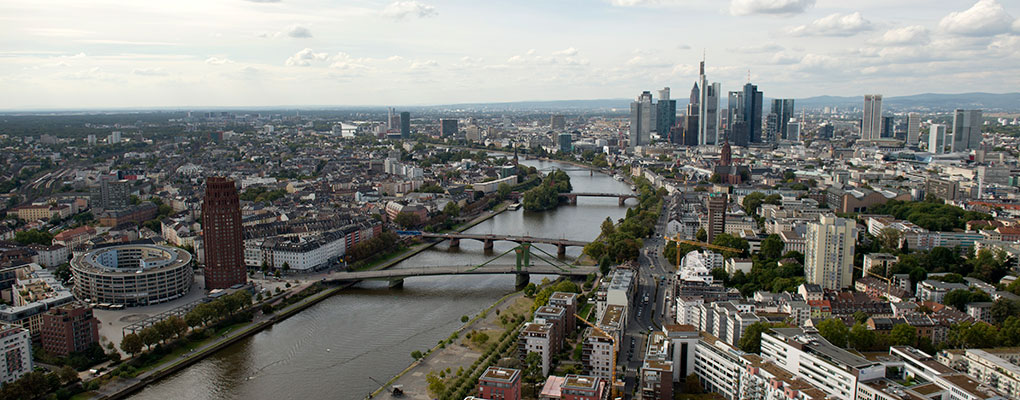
871	124
937	139
110	194
33	290
448	127
222	235
830	252
783	111
133	274
405	124
879	263
537	337
597	354
913	129
15	352
568	301
500	384
665	113
557	122
642	120
69	328
718	366
708	109
966	130
821	364
716	205
565	141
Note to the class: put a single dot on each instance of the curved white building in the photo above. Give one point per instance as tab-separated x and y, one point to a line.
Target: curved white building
132	275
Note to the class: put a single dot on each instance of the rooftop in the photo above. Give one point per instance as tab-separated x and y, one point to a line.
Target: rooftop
501	374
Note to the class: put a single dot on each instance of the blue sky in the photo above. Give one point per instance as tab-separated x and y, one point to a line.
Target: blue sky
107	53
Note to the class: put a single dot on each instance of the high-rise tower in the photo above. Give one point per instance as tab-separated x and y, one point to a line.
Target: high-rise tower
642	120
708	110
871	124
966	130
828	261
222	235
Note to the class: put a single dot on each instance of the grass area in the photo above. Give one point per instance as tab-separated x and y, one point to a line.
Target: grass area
586	310
493	335
381	259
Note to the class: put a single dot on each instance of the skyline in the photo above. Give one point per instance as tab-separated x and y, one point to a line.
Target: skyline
62	55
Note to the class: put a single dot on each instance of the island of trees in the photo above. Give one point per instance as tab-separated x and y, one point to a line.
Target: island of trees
546	195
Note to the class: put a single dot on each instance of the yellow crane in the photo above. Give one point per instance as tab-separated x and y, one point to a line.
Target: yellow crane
679	241
612	379
887	280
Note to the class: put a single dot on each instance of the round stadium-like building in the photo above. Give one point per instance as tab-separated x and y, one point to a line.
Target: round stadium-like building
132	274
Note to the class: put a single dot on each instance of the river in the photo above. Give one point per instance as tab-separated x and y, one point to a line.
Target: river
330	350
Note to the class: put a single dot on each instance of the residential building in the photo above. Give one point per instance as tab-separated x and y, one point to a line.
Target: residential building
933	290
716	203
997	372
718	366
15	352
69	328
568	301
500	384
830	252
222	235
110	194
809	356
597	354
879	263
537	337
135	214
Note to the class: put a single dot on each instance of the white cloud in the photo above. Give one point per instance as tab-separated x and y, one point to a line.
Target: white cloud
784	59
424	64
780	7
764	48
305	58
648	62
149	72
651	3
345	61
263	1
401	9
915	34
834	25
298	31
985	18
218	61
566	52
1016	26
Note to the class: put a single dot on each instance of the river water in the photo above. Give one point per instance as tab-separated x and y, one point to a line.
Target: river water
330	350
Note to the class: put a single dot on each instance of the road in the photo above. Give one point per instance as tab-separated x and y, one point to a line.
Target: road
655	281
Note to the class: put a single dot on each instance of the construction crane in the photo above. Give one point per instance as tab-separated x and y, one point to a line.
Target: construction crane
887	280
612	379
679	241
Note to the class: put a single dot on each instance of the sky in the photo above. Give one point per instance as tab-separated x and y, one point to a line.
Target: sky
70	54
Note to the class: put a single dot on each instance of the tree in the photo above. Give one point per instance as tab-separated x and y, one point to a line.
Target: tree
131	344
595	249
861	317
34	236
862	338
530	289
608	228
903	335
1004	308
416	355
701	235
150	336
451	209
889	238
772	247
835	331
407	220
750	340
751	202
67	374
503	190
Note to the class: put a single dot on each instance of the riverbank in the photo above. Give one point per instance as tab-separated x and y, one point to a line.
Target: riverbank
458	350
121	388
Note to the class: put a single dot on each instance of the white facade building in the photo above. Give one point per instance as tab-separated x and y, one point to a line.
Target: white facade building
15	352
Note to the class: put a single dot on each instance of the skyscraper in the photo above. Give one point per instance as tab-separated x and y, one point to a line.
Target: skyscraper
405	125
937	139
566	143
966	130
665	113
871	124
913	129
888	127
222	234
736	128
708	110
690	125
642	120
829	255
716	215
783	110
752	112
793	131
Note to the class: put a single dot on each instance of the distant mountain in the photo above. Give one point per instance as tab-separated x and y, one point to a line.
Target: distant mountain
553	105
989	102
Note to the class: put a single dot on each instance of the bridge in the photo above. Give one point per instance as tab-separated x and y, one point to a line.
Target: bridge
397	276
572	197
489	239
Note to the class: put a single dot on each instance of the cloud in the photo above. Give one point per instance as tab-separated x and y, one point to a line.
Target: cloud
834	25
915	34
784	59
423	64
218	61
778	7
298	31
651	3
263	1
305	58
149	72
683	47
765	48
648	62
401	9
984	18
345	61
566	52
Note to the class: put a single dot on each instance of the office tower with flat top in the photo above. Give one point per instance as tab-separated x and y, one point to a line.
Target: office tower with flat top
222	235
